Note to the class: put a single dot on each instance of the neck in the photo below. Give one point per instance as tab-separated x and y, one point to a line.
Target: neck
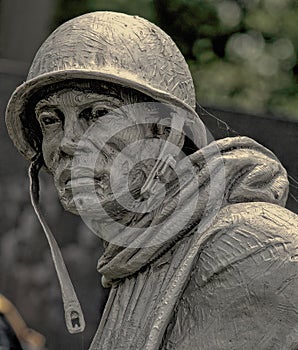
136	303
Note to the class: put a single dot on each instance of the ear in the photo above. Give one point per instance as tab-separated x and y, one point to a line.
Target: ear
164	131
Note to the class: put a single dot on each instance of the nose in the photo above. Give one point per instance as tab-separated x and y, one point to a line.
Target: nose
71	136
67	146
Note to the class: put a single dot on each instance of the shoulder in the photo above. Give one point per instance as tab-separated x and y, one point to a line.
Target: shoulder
241	293
249	230
257	214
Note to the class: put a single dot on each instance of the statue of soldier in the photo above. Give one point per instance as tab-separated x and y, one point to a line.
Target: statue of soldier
200	252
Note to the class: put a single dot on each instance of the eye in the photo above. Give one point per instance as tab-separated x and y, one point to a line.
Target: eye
47	118
93	113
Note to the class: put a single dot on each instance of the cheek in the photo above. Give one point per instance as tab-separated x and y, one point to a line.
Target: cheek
50	150
134	133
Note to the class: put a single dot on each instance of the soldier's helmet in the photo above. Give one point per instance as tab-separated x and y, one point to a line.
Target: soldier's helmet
111	47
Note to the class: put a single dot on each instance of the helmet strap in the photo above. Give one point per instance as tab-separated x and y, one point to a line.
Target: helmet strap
165	160
74	318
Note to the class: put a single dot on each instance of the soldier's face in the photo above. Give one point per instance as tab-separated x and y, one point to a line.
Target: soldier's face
66	118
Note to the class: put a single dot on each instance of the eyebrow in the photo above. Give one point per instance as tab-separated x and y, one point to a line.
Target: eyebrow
42	107
52	101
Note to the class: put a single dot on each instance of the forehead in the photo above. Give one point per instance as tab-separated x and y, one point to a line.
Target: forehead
74	98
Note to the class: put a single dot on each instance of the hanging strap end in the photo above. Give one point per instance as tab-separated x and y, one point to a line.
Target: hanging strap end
74	318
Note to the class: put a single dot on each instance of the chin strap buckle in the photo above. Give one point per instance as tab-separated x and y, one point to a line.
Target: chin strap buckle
75	322
157	176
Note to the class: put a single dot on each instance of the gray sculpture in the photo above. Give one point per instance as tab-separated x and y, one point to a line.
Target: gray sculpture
199	251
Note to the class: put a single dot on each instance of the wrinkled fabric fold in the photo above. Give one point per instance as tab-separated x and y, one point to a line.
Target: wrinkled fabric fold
251	173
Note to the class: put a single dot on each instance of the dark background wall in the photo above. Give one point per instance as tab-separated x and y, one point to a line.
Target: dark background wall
27	276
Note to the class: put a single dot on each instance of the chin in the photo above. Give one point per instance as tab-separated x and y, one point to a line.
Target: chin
85	203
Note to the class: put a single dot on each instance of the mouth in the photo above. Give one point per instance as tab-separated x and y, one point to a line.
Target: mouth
100	182
85	178
86	187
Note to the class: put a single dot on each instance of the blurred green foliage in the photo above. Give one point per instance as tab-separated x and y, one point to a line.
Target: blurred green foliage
242	53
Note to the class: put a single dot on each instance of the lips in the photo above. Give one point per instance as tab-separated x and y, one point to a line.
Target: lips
83	177
101	182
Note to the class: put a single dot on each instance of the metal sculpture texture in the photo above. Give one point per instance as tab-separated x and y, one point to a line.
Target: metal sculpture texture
200	252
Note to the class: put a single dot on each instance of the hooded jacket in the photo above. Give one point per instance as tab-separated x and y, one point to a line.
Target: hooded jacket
170	295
